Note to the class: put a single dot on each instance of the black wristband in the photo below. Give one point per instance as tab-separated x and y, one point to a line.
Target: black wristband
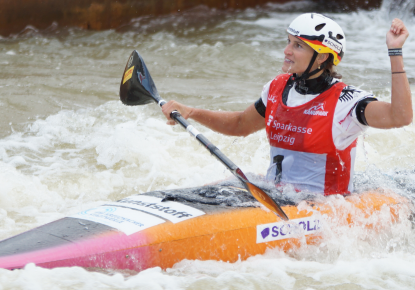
395	51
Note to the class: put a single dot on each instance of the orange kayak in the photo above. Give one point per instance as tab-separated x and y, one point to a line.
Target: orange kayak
218	222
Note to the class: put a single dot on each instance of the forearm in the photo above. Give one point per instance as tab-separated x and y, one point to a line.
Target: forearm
398	112
401	99
228	123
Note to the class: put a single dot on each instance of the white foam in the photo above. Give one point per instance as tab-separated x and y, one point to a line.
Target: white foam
78	158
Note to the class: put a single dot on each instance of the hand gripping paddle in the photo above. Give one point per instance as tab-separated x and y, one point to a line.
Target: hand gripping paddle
137	88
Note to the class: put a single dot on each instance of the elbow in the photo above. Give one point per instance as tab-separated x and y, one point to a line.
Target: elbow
240	133
241	129
407	121
408	118
404	120
402	117
244	132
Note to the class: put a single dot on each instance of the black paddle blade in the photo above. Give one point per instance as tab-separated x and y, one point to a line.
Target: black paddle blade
137	86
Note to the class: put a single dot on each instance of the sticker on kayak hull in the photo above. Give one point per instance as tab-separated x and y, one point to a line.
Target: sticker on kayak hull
284	230
125	220
170	210
128	74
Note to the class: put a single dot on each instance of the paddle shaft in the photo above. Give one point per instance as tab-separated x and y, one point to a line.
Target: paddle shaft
205	142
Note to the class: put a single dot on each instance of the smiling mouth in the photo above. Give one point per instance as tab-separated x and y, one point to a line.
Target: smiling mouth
287	60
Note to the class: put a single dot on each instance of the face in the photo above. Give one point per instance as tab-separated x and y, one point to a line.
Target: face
298	55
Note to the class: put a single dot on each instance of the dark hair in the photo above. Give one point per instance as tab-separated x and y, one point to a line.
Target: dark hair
331	68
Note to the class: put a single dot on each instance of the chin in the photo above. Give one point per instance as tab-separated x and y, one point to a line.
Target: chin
288	69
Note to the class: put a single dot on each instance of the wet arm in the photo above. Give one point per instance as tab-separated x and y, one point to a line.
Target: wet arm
398	112
228	123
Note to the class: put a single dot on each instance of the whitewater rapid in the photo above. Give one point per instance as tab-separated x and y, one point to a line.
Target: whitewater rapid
68	144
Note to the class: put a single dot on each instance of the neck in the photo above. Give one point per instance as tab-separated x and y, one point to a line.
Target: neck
316	75
316	84
313	76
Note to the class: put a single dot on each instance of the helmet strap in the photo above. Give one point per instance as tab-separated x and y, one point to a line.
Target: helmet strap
300	80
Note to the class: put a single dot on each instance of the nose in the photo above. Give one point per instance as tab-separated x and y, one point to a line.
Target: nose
288	49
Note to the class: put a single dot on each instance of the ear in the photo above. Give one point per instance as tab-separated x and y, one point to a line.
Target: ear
322	57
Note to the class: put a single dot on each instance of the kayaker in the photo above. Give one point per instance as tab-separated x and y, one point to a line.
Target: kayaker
312	119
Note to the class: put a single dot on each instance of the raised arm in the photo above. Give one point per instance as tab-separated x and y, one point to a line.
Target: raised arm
228	123
398	112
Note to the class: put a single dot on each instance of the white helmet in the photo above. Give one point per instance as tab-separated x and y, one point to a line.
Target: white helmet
321	33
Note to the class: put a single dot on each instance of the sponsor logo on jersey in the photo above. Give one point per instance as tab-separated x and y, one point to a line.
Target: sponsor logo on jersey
316	110
270	118
290	127
284	230
282	137
348	93
272	99
348	114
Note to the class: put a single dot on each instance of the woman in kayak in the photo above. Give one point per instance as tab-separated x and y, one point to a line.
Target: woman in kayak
312	119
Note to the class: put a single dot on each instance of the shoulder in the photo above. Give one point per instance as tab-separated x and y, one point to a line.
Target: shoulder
351	94
349	99
271	85
261	103
265	92
278	80
347	125
265	88
281	78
